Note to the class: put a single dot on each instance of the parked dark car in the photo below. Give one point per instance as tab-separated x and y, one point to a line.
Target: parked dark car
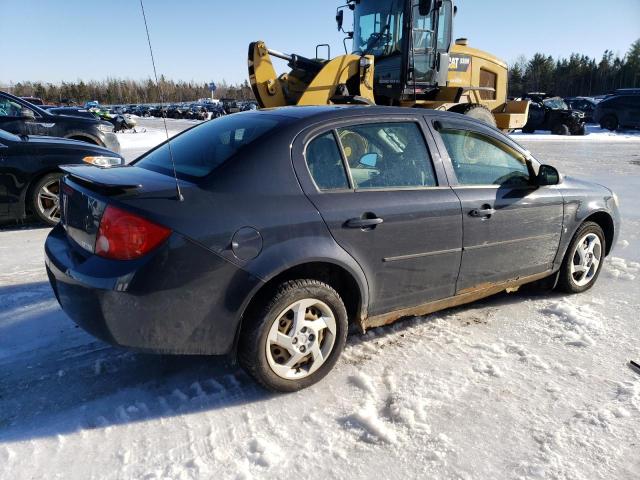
34	100
30	173
22	118
292	223
74	111
552	114
618	111
584	105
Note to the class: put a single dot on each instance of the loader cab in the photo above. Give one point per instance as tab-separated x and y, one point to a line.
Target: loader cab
408	39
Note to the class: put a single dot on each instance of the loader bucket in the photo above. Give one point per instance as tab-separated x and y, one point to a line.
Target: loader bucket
512	115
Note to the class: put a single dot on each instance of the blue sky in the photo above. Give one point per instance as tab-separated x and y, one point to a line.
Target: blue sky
59	40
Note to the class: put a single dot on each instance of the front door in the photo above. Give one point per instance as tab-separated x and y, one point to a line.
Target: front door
387	204
511	228
13	118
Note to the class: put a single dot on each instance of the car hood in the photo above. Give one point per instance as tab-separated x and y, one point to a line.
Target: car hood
75	118
42	141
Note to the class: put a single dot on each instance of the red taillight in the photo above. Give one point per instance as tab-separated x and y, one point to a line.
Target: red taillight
126	236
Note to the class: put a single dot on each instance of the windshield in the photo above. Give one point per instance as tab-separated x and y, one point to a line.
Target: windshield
378	27
200	150
555	103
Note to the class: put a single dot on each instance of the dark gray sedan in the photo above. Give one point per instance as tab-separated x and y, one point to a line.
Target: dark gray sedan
283	227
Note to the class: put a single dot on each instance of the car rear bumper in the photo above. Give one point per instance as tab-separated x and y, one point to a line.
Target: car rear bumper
180	299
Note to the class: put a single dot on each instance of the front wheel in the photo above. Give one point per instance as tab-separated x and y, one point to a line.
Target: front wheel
583	261
296	338
45	198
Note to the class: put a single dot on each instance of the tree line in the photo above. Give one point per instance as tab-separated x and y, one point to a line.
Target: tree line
120	91
578	75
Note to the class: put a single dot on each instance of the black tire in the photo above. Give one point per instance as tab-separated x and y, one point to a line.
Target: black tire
582	130
39	206
609	122
560	129
252	344
475	111
528	130
566	281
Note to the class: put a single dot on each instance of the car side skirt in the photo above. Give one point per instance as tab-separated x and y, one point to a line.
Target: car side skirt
463	297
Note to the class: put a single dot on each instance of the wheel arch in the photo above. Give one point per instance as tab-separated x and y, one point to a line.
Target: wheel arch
339	276
84	137
27	192
605	222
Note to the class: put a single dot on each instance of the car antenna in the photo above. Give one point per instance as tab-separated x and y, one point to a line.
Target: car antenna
164	119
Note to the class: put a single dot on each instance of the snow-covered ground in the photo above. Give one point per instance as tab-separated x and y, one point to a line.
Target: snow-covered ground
519	386
593	134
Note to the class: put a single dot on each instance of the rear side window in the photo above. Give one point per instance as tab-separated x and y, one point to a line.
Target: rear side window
199	151
387	155
481	160
325	163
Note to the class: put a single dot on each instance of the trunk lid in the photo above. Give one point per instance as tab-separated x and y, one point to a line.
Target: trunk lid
86	191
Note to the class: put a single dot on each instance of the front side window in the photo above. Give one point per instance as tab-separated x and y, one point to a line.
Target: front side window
387	155
200	150
9	108
325	163
481	160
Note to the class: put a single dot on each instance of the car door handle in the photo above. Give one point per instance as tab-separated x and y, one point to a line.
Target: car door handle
363	222
484	212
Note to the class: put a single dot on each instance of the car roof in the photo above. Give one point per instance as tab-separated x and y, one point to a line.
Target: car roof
328	112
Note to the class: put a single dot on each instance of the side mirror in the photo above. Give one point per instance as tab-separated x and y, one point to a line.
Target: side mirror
548	175
27	113
424	7
340	19
370	160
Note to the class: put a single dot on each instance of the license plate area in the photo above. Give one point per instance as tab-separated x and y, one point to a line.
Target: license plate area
81	214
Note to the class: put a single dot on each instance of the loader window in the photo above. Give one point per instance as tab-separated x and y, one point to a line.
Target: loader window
488	80
378	27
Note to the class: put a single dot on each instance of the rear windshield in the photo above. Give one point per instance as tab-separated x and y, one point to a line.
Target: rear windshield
200	150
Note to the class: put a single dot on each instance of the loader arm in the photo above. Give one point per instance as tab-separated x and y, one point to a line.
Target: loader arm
310	82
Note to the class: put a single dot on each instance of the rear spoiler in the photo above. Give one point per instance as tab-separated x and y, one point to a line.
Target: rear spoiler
114	178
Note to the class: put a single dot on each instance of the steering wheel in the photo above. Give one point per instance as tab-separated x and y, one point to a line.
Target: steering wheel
376	37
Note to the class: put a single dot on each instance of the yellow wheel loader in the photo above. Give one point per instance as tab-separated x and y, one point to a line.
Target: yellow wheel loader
403	55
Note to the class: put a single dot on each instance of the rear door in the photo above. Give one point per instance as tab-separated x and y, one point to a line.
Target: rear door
385	199
631	111
511	228
4	180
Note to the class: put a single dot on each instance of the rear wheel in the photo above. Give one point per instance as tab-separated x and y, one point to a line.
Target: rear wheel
560	129
476	111
296	338
583	261
45	198
609	122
